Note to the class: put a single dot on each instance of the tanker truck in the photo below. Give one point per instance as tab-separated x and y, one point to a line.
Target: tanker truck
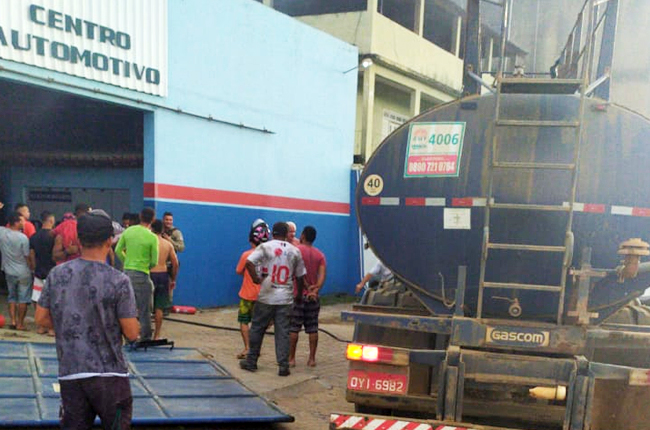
515	224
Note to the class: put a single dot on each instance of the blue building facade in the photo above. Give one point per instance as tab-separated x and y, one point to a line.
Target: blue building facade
257	121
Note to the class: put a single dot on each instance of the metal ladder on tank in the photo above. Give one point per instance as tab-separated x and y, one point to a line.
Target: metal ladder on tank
532	86
574	56
537	86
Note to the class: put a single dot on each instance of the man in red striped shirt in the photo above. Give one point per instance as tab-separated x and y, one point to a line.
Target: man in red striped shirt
305	312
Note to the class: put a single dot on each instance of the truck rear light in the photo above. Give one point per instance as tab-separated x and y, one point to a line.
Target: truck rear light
354	352
376	354
370	353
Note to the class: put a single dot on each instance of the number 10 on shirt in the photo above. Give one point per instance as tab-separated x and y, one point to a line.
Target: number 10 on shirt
280	274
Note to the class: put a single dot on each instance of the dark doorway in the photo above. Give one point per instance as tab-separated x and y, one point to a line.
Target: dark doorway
52	141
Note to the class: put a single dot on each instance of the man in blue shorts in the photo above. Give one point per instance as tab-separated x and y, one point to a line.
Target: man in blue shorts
91	306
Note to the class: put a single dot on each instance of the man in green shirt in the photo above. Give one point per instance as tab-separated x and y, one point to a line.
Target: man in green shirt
138	249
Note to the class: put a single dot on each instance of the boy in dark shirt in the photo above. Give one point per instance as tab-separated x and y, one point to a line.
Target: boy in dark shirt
40	256
91	305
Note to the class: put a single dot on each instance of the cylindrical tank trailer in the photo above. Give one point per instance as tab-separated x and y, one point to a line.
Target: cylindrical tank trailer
422	196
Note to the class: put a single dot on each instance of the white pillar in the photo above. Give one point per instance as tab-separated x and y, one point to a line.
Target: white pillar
490	56
367	112
456	35
416	96
268	3
372	5
419	17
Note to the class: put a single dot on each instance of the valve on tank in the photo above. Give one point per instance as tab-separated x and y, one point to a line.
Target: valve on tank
514	309
632	249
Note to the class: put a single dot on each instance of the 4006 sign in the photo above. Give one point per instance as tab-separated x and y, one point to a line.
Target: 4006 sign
434	149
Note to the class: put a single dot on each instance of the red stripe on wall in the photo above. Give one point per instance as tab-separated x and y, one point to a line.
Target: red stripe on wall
177	192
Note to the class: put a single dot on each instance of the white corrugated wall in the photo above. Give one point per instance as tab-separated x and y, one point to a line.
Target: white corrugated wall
44	33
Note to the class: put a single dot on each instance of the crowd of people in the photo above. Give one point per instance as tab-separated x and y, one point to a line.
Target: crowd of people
29	254
94	282
282	279
70	270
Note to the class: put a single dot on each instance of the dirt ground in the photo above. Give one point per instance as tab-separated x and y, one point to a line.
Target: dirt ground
309	394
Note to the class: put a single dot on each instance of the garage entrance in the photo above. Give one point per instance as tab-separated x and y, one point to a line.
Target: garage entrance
58	149
59	200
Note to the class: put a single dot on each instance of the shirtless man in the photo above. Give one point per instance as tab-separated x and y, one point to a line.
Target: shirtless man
164	282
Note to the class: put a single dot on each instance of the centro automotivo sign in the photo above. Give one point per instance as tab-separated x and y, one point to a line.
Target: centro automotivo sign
110	41
517	336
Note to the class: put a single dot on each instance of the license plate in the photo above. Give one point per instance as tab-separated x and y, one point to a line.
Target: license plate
377	382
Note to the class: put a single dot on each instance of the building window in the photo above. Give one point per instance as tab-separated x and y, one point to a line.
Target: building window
318	7
402	12
439	26
427	103
488	46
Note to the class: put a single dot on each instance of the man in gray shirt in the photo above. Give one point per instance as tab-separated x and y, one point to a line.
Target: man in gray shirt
171	233
90	305
14	247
